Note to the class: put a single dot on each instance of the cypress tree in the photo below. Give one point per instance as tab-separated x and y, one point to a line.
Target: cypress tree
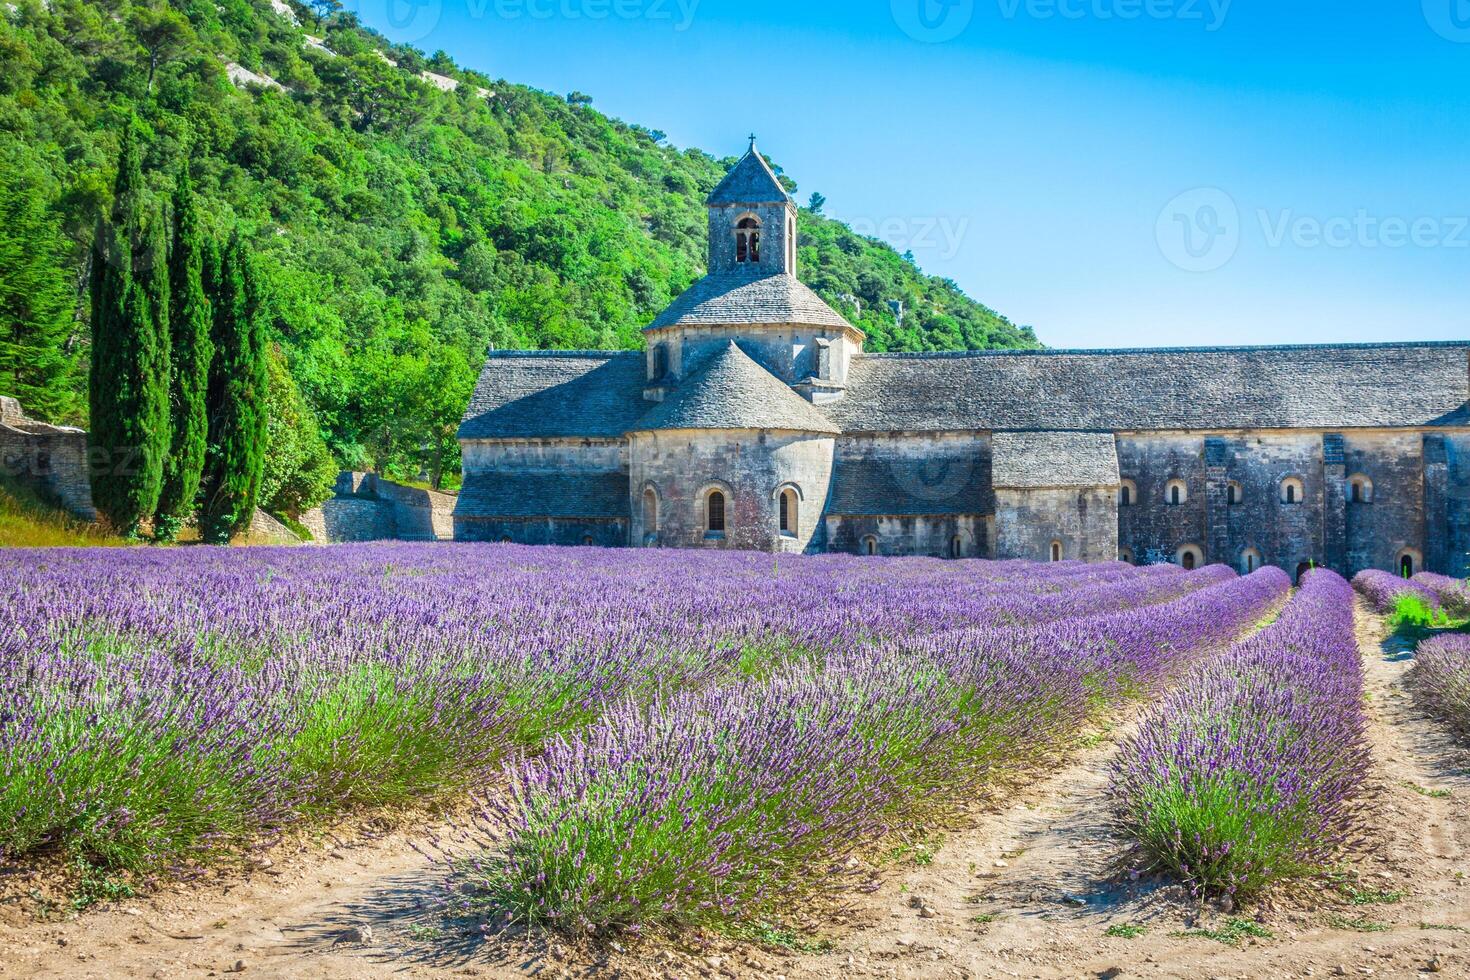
237	396
129	389
190	323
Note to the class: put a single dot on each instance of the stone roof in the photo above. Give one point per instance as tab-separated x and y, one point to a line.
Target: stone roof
1347	386
732	391
552	394
901	487
735	299
751	181
528	494
1042	460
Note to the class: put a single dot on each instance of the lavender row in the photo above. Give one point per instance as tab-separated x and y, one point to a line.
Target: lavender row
710	806
1250	772
1451	594
1384	590
1440	679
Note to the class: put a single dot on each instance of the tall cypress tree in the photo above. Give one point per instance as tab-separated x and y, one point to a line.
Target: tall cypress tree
128	391
237	396
190	323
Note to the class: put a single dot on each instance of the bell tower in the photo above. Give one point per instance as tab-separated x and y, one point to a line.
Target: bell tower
752	222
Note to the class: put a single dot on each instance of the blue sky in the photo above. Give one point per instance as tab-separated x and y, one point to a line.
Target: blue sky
1111	172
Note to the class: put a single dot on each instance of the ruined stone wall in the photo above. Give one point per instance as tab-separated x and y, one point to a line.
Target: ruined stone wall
1083	521
52	460
750	468
369	508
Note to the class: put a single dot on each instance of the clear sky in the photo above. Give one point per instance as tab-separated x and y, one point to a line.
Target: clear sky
1111	172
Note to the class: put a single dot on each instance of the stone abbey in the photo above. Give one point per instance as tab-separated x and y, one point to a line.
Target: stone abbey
755	420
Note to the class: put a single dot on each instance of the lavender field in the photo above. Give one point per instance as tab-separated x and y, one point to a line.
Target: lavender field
661	738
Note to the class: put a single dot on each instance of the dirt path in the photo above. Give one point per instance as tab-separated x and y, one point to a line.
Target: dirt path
1029	890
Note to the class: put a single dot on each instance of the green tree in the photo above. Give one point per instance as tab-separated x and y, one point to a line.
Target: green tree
299	470
165	35
37	304
129	395
237	396
816	203
191	350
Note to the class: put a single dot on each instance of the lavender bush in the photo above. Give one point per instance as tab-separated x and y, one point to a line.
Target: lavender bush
1249	773
1384	590
1440	679
1452	594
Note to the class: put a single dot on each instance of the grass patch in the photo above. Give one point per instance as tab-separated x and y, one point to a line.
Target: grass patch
1356	925
1125	930
1441	927
1433	794
27	521
95	886
1233	933
773	936
1372	897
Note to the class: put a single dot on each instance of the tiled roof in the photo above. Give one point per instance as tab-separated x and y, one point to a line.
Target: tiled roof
901	487
1037	460
1351	386
751	181
732	391
521	493
739	299
550	394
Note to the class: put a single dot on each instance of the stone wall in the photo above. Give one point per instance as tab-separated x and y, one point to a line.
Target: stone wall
567	532
1084	522
369	508
934	535
50	459
750	468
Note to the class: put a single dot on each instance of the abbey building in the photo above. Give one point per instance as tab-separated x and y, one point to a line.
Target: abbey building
755	420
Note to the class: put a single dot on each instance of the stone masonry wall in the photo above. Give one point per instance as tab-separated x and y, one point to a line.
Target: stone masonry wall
369	508
1084	522
750	468
52	460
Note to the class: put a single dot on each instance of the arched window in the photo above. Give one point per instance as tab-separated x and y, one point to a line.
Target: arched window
1190	557
870	545
587	541
1360	489
650	511
1125	555
714	512
1250	560
1409	563
1234	494
1176	492
1127	494
1056	551
748	240
956	547
1293	491
1303	569
787	505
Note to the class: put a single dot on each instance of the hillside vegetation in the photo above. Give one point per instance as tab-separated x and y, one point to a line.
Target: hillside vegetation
402	228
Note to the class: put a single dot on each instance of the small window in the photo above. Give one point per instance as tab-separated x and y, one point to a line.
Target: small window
1234	494
1293	491
1409	563
714	509
1176	492
1360	489
1125	555
1127	494
748	240
650	511
1190	557
956	547
1056	551
587	541
1303	569
788	516
870	545
1250	561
